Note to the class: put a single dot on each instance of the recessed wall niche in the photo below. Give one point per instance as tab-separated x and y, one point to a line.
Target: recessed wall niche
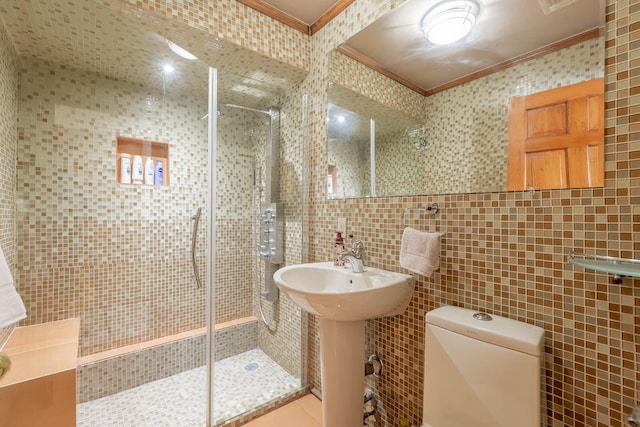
158	151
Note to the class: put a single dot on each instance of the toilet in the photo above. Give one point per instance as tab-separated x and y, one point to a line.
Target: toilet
481	370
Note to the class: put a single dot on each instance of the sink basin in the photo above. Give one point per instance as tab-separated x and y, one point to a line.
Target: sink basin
344	300
337	293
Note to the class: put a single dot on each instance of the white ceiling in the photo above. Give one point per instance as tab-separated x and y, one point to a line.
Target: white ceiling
307	11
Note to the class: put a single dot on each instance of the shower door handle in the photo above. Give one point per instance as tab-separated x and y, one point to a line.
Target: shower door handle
194	235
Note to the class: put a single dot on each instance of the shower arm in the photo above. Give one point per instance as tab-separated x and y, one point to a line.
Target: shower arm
196	219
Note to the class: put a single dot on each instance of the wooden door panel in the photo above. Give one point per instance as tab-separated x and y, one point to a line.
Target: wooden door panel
554	143
547	121
582	162
596	113
546	168
556	138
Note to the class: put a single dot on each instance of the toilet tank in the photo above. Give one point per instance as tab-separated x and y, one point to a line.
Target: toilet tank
481	373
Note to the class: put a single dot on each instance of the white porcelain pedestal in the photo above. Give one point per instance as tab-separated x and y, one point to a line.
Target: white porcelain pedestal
342	367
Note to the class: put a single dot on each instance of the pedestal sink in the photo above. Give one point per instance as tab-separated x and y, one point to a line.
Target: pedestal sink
344	300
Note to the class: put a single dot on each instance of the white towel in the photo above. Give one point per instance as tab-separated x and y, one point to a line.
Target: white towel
11	307
420	251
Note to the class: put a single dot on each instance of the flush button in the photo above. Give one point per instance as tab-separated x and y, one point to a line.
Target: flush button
483	317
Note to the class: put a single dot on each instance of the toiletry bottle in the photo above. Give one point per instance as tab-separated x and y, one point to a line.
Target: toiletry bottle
159	175
338	249
125	168
148	171
136	171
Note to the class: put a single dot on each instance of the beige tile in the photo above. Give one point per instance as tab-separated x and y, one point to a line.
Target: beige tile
312	405
235	322
291	415
43	335
108	354
49	400
95	357
40	350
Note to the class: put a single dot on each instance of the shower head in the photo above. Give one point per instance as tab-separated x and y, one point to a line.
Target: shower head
221	118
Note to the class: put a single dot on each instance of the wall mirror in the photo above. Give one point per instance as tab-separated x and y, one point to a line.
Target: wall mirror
360	134
447	107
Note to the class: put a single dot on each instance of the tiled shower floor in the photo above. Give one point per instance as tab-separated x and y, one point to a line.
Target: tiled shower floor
241	383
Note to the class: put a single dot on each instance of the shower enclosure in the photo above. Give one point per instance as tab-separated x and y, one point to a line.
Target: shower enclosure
95	86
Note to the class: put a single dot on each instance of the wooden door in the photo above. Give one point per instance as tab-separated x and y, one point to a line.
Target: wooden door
556	138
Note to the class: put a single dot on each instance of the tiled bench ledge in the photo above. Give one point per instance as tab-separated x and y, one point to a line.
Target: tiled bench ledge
120	351
106	373
40	388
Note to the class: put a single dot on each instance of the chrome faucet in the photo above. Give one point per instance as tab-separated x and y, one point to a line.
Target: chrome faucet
354	256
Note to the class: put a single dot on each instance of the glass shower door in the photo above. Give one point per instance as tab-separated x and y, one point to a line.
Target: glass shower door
258	333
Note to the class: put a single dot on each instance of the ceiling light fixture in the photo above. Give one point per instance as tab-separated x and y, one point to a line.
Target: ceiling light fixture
180	51
449	21
168	69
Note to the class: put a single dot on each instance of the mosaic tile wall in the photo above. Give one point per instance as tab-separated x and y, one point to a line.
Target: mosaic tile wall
234	270
400	148
114	255
113	375
506	252
8	140
351	157
283	341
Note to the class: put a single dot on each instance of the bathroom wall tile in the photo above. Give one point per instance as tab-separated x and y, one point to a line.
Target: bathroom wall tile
8	143
93	248
283	339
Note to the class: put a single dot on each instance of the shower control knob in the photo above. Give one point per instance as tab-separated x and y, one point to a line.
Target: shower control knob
264	250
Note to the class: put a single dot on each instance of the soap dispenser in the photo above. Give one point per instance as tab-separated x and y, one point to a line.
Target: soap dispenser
338	250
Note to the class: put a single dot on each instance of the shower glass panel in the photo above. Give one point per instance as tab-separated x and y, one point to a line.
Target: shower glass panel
95	87
258	334
98	93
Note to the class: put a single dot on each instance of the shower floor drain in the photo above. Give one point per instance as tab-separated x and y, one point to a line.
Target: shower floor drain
251	367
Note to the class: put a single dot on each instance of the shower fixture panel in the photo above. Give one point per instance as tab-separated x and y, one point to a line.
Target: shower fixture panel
272	233
271	246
